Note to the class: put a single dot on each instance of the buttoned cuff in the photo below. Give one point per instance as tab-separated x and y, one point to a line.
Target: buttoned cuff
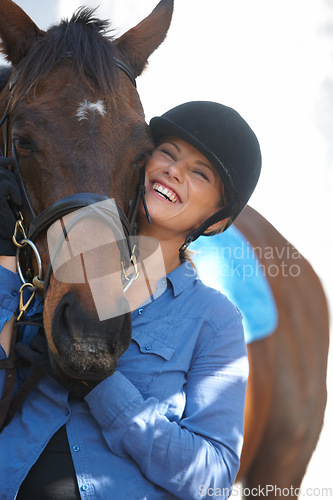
113	399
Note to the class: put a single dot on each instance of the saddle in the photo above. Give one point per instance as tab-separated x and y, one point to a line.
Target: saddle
228	263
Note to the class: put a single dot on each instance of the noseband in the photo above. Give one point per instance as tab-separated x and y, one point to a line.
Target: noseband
112	215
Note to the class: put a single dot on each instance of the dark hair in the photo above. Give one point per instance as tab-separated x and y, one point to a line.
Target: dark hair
5	72
85	40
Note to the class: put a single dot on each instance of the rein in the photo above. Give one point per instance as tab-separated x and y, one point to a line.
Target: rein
113	216
9	404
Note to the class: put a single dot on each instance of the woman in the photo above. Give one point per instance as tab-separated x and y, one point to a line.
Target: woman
169	422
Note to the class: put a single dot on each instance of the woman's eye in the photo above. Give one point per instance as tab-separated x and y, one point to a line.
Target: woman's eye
167	153
201	174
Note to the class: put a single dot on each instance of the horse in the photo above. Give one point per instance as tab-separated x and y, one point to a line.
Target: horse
62	157
64	82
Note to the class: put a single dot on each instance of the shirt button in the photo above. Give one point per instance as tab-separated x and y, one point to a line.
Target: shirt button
14	293
76	448
164	281
148	347
84	487
140	311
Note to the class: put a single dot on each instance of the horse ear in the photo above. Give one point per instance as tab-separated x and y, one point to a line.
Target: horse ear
17	31
137	44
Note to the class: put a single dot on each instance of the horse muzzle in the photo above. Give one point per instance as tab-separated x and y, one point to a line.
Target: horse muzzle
87	348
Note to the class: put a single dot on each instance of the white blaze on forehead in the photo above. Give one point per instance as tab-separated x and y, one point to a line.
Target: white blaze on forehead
88	109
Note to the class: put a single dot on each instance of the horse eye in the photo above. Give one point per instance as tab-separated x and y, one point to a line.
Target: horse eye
23	144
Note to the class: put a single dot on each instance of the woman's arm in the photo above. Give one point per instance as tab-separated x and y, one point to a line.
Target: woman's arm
8	262
6	335
201	452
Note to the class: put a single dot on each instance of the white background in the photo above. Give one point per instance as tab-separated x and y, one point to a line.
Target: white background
272	60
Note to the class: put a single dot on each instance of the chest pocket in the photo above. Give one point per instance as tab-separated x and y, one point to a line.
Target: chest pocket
145	358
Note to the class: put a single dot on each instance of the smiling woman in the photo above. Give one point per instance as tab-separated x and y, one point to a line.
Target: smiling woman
207	163
182	381
182	190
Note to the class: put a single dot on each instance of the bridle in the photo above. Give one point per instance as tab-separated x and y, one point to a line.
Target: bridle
85	203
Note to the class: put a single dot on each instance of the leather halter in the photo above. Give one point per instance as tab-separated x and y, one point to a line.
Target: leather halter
128	72
76	201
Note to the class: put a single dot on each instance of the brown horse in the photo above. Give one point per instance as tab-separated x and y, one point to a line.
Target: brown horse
286	394
60	155
77	126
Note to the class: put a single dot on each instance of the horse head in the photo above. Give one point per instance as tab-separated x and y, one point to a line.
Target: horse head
77	135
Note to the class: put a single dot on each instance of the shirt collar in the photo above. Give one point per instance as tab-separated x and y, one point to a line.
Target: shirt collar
182	277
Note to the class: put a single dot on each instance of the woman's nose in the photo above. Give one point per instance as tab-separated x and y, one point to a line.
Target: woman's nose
176	170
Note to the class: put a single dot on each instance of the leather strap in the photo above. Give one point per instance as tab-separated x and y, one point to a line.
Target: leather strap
126	69
218	216
11	368
21	395
8	404
65	206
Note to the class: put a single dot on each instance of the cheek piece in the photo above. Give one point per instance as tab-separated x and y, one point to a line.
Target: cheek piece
224	213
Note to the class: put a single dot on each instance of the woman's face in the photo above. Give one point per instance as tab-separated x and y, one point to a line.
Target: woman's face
182	187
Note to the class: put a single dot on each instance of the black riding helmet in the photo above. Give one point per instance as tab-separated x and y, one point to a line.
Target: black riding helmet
226	140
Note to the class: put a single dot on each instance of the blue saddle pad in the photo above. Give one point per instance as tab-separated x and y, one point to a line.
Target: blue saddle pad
227	262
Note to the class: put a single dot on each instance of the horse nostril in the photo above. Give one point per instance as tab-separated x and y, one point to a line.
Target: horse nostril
63	310
66	314
68	318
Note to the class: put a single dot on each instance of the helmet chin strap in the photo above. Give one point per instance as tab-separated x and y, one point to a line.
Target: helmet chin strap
224	213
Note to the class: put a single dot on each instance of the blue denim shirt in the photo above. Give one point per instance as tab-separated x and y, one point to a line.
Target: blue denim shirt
167	424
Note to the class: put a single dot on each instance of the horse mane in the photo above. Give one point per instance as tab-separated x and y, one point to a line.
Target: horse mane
5	72
85	40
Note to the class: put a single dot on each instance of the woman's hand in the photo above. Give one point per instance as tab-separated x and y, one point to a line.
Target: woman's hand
10	200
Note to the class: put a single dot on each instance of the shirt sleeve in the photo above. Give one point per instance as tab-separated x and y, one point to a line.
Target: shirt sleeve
10	285
199	455
9	295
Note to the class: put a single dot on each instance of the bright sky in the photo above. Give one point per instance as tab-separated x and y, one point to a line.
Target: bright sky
272	60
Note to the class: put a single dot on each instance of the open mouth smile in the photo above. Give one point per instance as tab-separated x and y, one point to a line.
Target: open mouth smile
165	192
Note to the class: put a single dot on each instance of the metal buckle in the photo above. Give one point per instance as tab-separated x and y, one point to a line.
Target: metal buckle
37	281
134	276
24	307
19	227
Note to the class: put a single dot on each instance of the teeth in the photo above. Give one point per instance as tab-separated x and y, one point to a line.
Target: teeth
165	192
